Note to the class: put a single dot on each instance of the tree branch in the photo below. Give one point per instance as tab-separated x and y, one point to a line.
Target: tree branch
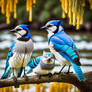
67	78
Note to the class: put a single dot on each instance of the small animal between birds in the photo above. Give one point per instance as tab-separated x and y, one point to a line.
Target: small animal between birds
42	65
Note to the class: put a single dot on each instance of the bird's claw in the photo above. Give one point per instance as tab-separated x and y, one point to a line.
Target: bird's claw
49	74
39	76
59	73
26	77
68	72
14	78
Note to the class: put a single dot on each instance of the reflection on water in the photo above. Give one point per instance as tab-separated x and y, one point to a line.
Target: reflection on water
53	87
83	42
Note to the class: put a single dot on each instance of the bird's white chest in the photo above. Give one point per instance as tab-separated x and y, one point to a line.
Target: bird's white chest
19	60
52	49
56	54
23	47
21	54
40	71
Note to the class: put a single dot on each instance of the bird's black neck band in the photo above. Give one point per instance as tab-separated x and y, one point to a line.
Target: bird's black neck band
57	27
23	39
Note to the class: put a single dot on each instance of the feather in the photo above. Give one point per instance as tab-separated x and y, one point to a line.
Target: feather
7	68
78	72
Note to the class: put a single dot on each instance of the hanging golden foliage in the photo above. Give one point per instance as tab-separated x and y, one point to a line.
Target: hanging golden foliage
73	8
9	6
90	1
75	11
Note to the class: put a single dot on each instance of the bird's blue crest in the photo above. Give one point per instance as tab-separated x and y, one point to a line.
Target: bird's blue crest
49	54
25	27
55	22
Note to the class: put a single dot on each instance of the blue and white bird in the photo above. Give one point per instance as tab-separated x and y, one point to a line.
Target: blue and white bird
19	53
61	44
42	65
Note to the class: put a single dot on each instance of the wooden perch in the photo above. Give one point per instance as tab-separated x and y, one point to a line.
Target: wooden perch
67	78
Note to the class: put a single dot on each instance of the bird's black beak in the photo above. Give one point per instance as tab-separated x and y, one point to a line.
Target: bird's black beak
49	59
13	30
43	28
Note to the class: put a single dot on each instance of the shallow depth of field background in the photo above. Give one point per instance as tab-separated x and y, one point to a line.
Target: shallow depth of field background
42	12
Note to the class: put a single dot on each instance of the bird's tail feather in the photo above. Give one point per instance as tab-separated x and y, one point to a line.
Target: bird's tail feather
17	86
6	73
78	72
29	71
19	70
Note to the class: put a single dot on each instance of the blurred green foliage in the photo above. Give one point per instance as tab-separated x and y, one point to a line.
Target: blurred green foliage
44	10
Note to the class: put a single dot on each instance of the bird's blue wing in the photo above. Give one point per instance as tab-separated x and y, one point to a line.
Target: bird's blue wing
70	51
7	67
32	64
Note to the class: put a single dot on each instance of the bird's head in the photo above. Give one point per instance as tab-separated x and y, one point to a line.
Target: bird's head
48	58
21	31
53	26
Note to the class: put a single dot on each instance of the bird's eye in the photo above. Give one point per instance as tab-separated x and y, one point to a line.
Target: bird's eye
18	29
49	25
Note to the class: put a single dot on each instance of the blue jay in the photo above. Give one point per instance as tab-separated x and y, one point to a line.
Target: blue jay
42	65
19	53
61	44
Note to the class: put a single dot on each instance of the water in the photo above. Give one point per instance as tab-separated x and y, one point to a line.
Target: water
83	42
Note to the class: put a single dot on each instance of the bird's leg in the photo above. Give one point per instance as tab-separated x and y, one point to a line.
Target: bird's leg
38	75
69	70
14	77
49	74
62	69
25	76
